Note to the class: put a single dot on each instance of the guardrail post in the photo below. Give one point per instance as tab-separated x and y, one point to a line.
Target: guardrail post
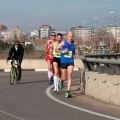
87	65
98	68
108	69
82	81
117	69
92	67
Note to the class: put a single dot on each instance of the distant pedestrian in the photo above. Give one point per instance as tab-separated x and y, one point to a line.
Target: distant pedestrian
67	50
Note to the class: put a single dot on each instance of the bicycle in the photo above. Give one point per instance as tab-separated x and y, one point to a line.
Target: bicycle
14	72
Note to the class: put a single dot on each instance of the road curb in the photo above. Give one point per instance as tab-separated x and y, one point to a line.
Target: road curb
36	70
8	70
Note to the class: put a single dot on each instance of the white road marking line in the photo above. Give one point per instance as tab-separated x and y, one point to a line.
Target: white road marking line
78	108
7	112
3	74
38	70
11	115
6	70
5	87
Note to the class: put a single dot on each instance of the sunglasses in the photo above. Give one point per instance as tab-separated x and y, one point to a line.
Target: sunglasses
16	44
53	35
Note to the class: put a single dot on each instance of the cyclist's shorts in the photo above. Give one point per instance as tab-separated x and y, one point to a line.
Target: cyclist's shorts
57	60
65	65
49	58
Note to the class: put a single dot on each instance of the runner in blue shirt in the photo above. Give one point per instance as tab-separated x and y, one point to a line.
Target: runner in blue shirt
67	50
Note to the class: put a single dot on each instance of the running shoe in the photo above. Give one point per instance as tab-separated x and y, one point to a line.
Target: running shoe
54	90
61	85
68	94
50	82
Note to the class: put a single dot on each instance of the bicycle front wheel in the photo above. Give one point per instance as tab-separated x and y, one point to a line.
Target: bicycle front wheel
12	77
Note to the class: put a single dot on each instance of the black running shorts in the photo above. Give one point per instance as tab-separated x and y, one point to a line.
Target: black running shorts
65	65
57	60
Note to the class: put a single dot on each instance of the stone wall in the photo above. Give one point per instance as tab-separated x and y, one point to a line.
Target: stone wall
103	87
35	64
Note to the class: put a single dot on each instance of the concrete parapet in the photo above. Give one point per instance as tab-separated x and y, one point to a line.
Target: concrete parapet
101	86
35	64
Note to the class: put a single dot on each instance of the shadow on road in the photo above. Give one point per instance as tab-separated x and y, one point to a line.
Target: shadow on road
37	81
75	93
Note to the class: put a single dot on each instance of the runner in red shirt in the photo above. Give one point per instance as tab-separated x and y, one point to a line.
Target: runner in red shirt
49	57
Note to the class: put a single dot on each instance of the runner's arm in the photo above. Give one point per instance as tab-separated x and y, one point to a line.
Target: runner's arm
59	46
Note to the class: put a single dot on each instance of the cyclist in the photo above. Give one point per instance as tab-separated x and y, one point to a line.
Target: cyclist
16	52
57	62
49	57
67	50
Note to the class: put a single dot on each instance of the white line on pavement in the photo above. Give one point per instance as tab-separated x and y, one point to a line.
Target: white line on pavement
7	112
78	108
3	74
11	115
5	87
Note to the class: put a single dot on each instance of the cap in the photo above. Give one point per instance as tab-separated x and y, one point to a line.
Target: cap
16	41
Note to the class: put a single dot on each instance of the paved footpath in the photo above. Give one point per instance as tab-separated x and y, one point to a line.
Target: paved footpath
34	100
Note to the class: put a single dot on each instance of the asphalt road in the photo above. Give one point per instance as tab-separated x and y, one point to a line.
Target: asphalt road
34	100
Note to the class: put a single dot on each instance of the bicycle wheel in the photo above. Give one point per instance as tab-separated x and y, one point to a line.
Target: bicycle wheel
12	77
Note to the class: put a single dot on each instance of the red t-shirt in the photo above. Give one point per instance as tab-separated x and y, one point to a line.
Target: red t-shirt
49	46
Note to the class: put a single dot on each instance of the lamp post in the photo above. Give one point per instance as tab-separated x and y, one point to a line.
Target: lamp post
110	28
116	32
96	26
83	32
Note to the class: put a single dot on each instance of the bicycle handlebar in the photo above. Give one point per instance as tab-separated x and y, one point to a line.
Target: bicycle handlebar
12	60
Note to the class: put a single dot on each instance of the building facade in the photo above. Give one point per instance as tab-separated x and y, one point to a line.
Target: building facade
6	35
34	33
84	33
115	31
3	28
16	33
45	31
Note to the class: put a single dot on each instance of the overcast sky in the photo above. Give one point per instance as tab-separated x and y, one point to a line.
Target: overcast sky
60	14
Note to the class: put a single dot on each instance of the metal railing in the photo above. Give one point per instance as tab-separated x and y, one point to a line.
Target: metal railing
102	63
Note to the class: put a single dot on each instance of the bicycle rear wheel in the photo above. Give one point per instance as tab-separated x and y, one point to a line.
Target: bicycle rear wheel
12	77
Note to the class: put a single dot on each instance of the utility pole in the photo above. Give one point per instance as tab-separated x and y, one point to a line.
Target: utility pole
110	28
95	31
83	32
116	33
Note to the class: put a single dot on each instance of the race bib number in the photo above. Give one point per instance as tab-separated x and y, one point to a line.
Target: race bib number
58	55
69	54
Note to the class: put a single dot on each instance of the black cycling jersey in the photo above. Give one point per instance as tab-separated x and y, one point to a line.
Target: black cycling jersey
16	54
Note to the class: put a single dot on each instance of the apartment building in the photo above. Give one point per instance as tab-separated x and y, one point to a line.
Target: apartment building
3	28
16	33
115	31
6	35
34	33
45	31
64	33
83	32
11	34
